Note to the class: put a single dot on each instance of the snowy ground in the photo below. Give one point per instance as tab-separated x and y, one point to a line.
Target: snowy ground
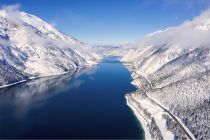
157	123
171	68
30	47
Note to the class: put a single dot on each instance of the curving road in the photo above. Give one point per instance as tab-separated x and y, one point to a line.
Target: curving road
189	135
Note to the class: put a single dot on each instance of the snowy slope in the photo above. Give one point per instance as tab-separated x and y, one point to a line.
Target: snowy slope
176	62
30	47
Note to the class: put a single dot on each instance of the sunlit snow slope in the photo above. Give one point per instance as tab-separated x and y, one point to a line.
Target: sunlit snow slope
30	47
176	63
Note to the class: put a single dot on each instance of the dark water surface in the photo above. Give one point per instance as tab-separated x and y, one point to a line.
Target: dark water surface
87	105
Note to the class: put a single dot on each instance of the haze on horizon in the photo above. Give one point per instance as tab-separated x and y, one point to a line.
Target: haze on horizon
111	21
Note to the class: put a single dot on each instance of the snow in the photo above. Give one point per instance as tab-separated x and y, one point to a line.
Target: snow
30	47
172	66
180	121
140	118
12	84
136	102
176	62
156	111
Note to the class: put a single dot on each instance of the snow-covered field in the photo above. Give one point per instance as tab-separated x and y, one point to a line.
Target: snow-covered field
30	47
171	68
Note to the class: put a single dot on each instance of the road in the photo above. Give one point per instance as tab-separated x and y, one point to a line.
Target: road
150	87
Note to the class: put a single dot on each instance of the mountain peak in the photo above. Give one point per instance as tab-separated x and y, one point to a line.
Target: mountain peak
32	47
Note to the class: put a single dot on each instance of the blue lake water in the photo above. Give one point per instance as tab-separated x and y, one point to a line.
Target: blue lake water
88	104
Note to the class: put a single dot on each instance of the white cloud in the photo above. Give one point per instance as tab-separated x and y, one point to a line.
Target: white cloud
11	12
11	8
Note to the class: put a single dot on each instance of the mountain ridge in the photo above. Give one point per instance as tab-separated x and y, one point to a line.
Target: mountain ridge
176	62
31	47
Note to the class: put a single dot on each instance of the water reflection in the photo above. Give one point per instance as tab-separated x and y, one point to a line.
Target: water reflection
40	90
89	103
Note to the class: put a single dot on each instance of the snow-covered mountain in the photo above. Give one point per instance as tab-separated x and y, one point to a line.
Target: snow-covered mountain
30	47
172	70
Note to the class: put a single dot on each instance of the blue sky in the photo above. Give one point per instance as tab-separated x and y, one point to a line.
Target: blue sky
111	21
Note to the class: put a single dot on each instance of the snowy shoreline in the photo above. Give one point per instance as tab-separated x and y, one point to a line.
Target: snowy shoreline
37	77
140	119
49	75
32	78
15	83
140	104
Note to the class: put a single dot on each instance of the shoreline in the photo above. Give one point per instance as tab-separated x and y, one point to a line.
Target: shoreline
32	78
43	76
140	118
88	64
139	105
142	105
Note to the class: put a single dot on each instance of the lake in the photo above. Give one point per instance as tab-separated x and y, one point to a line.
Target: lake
88	104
